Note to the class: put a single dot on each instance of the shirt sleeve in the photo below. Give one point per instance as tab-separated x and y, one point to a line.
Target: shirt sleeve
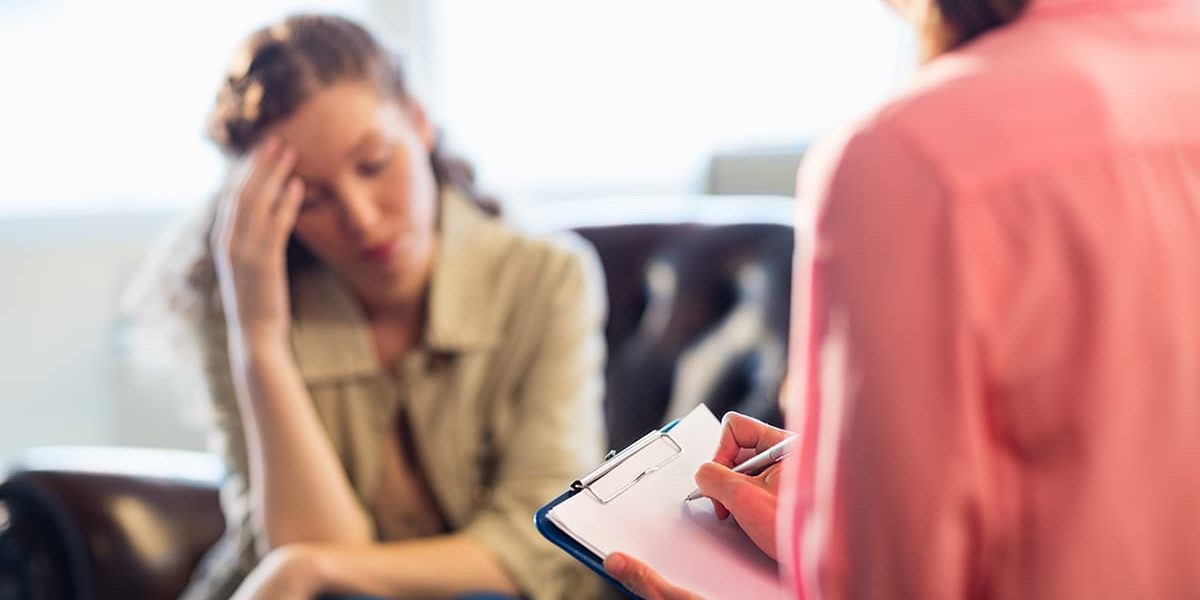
558	432
888	496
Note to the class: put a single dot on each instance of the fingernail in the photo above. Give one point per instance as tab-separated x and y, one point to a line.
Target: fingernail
615	562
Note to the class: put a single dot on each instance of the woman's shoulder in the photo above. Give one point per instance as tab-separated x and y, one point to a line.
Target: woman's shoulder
561	261
496	271
504	249
1013	101
555	251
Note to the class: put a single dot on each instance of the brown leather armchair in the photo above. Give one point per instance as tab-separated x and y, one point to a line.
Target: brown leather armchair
698	313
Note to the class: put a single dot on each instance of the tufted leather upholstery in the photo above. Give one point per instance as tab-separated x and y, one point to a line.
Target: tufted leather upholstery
698	313
107	522
703	318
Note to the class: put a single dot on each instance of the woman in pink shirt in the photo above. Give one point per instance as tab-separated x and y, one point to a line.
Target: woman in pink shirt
997	322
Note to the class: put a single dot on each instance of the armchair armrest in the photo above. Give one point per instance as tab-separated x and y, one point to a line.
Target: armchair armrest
88	522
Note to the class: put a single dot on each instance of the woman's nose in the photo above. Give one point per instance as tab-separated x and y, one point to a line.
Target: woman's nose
359	214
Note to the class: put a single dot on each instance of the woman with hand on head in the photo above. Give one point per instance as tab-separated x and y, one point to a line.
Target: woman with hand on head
995	333
399	381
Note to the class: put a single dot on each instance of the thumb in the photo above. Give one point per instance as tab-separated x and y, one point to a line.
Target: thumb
635	575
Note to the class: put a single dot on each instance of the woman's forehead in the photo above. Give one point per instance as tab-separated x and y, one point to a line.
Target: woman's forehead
339	122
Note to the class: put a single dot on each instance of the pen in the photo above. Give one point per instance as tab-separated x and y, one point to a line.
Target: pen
757	463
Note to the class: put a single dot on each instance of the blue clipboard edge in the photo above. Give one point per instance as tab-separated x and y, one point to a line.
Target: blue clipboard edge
577	551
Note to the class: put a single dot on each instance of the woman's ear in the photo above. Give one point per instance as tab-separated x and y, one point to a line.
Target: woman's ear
420	122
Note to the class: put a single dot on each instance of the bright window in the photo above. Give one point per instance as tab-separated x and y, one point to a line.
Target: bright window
557	98
103	103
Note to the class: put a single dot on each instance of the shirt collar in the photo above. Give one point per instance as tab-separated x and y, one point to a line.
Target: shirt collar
462	317
330	335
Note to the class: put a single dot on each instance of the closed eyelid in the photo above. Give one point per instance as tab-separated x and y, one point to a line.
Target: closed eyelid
315	193
378	161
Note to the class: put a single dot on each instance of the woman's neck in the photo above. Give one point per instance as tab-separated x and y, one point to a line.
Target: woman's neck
396	328
396	312
400	300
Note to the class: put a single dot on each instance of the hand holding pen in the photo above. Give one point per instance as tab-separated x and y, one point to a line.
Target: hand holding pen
757	463
751	499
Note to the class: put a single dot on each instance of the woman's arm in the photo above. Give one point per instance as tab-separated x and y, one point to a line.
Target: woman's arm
298	489
893	480
440	567
297	484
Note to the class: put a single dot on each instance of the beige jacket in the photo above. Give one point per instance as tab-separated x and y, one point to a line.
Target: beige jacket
503	397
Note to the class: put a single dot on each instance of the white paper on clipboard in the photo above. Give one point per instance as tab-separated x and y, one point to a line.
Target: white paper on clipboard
637	508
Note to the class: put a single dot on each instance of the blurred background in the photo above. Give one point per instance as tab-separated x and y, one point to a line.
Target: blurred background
571	109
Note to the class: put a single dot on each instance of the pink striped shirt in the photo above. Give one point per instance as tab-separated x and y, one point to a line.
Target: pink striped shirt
1002	359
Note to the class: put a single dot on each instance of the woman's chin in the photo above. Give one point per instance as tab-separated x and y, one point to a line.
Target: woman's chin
398	279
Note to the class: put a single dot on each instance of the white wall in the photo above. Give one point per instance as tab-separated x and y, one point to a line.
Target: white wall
61	371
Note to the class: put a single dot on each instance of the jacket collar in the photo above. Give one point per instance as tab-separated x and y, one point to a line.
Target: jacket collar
330	335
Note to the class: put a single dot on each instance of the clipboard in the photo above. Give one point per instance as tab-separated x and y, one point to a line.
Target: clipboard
634	503
588	484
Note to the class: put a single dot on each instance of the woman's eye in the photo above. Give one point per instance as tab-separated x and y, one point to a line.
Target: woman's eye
374	167
311	201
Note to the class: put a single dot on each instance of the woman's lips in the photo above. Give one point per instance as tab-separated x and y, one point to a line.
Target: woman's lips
380	252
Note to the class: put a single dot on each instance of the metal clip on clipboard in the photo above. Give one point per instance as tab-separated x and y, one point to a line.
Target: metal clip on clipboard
626	468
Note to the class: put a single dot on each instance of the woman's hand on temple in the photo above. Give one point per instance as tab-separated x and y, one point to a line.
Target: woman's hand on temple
750	499
255	216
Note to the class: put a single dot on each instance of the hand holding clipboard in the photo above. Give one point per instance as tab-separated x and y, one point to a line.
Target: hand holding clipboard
633	504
